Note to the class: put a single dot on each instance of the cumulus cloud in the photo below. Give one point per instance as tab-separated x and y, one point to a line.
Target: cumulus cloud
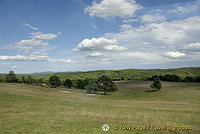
175	54
42	58
166	33
149	18
28	25
111	8
99	44
41	36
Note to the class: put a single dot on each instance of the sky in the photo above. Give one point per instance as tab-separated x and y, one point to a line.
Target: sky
84	35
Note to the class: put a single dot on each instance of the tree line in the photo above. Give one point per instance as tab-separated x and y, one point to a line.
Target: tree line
175	78
102	84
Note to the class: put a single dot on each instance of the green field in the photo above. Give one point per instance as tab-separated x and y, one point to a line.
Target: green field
38	110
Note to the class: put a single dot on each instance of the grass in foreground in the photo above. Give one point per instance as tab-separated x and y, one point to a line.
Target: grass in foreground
28	109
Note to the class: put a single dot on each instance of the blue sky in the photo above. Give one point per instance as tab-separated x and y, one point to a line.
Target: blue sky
82	35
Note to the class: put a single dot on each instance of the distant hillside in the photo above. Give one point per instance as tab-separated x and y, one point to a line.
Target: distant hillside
127	73
118	74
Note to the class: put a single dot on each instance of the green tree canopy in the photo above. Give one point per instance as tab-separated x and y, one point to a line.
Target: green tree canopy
68	83
11	77
106	84
80	84
92	86
157	84
54	81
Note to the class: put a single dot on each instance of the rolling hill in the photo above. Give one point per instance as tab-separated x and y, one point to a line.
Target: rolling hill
136	74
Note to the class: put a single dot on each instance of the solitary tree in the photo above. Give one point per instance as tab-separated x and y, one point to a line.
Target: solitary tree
11	77
68	83
54	81
157	84
92	86
106	84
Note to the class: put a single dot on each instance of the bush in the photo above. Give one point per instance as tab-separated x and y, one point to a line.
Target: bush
68	83
198	79
189	79
80	84
157	84
11	77
54	81
30	80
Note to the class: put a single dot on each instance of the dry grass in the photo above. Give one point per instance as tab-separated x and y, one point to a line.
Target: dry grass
28	109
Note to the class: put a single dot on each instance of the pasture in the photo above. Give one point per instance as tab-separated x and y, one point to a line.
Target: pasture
31	109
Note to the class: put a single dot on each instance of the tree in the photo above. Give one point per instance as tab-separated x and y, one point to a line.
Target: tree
80	84
92	86
198	79
41	80
30	80
106	84
157	84
11	77
23	79
68	83
54	81
188	79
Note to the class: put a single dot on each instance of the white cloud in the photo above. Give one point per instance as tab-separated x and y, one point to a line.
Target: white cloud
152	18
161	34
175	54
130	20
99	44
59	33
41	58
30	42
13	67
24	58
187	9
41	36
9	47
28	25
192	47
38	53
111	8
95	54
26	44
94	27
60	60
143	56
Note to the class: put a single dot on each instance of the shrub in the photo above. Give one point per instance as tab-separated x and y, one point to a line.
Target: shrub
68	83
54	81
11	77
80	84
157	84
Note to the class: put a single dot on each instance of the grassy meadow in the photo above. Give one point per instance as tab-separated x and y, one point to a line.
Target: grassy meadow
39	110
